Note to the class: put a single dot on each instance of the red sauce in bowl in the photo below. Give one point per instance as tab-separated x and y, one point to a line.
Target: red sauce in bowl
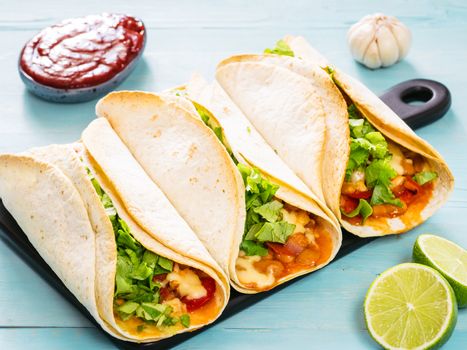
83	52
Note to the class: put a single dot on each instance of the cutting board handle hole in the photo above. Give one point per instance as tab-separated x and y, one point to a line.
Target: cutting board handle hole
417	95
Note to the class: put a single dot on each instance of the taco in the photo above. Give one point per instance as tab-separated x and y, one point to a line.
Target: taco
377	176
259	221
130	259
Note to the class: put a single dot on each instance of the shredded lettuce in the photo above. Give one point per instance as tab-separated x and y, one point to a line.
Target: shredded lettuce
281	48
364	209
136	267
270	211
253	248
264	217
185	320
379	172
424	177
369	153
217	129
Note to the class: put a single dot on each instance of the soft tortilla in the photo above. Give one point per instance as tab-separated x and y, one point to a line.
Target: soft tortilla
185	158
250	148
73	233
275	99
198	177
336	119
378	114
51	212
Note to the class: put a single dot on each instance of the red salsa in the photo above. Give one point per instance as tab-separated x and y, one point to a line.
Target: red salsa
83	52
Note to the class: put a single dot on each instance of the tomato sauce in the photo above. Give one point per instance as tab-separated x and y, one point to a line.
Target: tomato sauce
205	314
201	310
299	253
414	198
83	52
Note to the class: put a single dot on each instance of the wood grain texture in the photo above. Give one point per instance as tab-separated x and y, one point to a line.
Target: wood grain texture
322	311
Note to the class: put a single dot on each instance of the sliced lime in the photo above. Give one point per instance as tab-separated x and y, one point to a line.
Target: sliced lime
446	257
410	306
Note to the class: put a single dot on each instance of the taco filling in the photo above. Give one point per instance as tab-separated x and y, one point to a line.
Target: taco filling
382	179
153	294
279	239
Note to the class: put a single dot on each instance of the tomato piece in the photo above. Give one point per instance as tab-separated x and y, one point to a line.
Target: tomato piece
194	304
412	185
159	278
278	248
360	194
407	196
348	204
296	243
164	293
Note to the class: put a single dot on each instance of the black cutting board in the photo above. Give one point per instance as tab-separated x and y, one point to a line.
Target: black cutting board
433	100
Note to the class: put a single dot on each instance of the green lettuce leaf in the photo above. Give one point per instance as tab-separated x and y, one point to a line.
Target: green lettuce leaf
165	263
359	128
369	153
150	259
253	248
153	311
383	195
271	211
212	124
263	219
185	320
379	172
142	272
136	267
128	308
425	177
281	48
277	232
353	111
363	208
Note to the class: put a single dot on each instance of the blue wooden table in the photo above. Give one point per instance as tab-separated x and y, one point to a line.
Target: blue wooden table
322	311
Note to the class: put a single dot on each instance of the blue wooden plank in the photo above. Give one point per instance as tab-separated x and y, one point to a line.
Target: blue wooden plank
320	311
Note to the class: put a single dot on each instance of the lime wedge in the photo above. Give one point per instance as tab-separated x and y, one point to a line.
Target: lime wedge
410	306
446	257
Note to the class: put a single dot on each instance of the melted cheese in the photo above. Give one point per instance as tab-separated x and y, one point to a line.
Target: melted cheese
311	238
357	176
177	306
397	158
247	273
297	217
187	283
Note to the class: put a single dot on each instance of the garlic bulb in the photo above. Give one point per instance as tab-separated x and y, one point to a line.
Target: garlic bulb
379	40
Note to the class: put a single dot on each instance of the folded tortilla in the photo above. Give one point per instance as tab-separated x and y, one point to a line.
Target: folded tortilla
69	200
273	92
186	159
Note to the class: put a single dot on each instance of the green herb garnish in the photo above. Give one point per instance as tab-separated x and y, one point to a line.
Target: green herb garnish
364	209
424	177
281	48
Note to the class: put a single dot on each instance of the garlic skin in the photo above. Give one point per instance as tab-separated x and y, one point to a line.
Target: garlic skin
378	40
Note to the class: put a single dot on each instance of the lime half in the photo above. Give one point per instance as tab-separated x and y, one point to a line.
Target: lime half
410	306
446	257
